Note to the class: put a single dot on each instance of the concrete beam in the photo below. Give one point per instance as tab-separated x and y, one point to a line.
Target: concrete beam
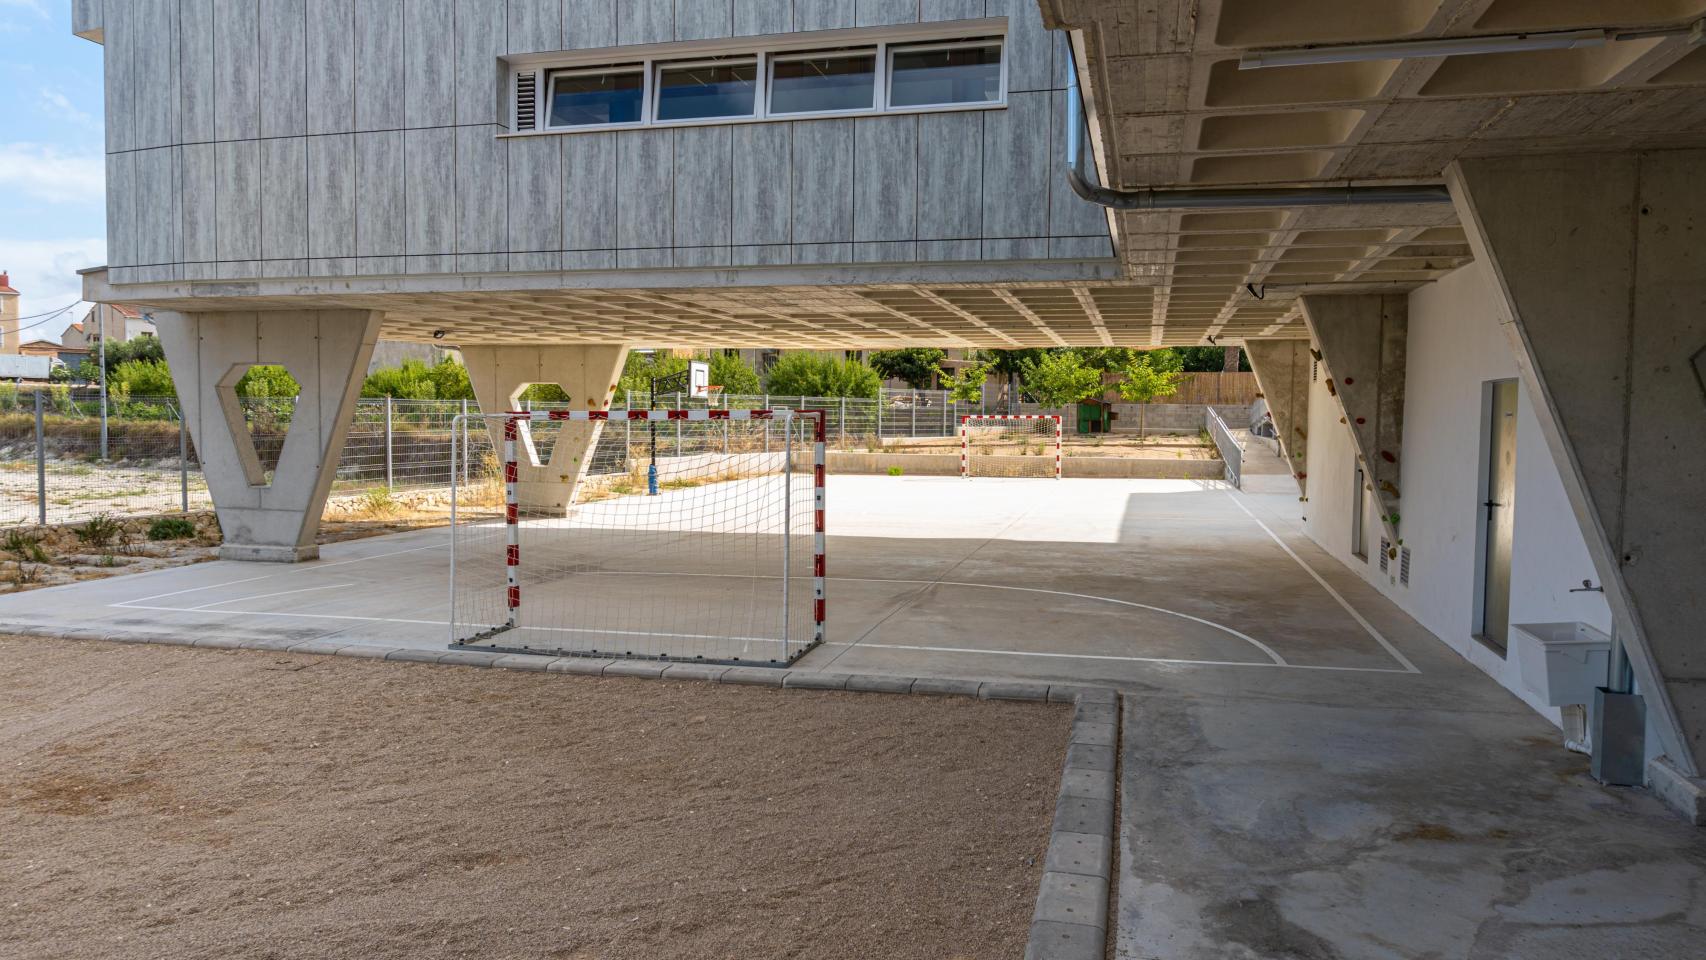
1362	341
1601	266
588	374
1282	374
327	352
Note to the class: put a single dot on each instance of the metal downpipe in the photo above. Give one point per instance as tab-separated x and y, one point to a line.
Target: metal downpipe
1189	198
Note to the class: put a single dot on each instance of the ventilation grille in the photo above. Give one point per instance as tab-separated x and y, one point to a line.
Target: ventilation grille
1385	548
1314	370
1404	566
526	99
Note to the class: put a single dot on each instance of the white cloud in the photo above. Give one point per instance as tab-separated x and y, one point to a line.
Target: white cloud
44	272
34	6
57	104
43	172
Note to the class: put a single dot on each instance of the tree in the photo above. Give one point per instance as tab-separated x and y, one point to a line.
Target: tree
915	365
268	382
639	370
733	374
1145	380
143	378
815	375
1106	358
414	380
1205	359
450	380
965	386
1058	379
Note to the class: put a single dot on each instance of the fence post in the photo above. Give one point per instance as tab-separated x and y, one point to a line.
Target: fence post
183	461
879	416
41	464
915	414
388	483
843	421
466	451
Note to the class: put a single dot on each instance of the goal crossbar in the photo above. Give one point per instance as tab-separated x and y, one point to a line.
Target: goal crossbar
512	423
970	420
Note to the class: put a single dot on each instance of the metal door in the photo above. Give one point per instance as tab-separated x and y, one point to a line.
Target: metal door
1499	509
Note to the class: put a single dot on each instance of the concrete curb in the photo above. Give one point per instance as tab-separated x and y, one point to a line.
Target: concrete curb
1070	921
1071	918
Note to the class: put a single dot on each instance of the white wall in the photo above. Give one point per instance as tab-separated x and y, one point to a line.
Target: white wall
1455	347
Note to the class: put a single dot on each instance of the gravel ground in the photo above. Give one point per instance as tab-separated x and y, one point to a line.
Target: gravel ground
171	802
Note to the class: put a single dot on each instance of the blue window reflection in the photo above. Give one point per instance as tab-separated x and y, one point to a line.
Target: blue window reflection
578	100
824	83
956	75
692	93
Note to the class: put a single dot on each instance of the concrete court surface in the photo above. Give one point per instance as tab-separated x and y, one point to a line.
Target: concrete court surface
1305	771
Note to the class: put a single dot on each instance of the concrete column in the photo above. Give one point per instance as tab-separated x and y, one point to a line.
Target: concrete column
1362	340
1282	374
1600	264
588	374
327	352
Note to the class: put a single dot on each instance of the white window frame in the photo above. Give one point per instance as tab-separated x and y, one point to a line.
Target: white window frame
542	117
999	43
655	100
650	60
878	91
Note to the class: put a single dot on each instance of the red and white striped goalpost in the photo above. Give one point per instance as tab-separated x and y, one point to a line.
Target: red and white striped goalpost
965	436
512	472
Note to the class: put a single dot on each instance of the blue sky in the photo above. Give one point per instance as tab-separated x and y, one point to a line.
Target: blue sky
52	149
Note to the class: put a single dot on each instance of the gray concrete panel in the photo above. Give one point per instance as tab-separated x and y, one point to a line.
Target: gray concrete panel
1018	248
158	216
87	19
933	10
482	192
762	208
758	17
881	13
237	199
1016	167
119	80
535	25
429	184
704	187
950	176
378	63
1080	248
480	27
121	209
1069	215
284	198
154	49
589	191
823	14
644	175
331	66
823	180
1282	372
236	70
589	23
703	19
645	21
199	179
379	196
331	196
535	168
885	178
1030	50
283	77
195	70
429	64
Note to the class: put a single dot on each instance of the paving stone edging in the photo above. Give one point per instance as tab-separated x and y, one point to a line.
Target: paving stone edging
1071	917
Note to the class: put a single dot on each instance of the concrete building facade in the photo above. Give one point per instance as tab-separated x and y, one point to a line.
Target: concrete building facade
1413	215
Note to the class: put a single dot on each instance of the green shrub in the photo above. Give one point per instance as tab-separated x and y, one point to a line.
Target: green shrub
142	378
100	530
815	375
171	528
268	381
23	544
895	471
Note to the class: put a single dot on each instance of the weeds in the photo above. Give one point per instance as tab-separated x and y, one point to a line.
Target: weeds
100	530
895	471
24	544
378	502
171	528
26	573
107	560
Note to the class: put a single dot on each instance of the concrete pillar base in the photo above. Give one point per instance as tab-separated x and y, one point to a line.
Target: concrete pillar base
262	553
1682	793
587	373
1282	372
326	351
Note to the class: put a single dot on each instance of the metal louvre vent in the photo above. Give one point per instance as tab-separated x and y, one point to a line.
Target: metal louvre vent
1404	566
1314	370
526	99
1385	549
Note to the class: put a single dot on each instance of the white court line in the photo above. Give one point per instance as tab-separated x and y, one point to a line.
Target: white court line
1408	666
278	593
1103	656
265	576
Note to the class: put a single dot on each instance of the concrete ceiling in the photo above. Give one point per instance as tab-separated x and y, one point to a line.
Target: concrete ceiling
1173	110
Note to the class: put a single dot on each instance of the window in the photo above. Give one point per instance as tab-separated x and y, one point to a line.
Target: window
941	74
824	84
582	98
907	68
700	91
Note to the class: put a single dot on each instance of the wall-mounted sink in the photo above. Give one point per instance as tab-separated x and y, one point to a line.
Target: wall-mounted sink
1562	662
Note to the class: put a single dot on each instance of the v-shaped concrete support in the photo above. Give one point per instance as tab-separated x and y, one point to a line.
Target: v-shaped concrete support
1362	339
327	351
1282	374
588	374
1600	260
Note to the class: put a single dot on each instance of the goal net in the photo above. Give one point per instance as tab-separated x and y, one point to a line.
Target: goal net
1016	445
693	535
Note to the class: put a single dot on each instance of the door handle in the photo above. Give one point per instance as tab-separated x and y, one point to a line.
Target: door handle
1491	503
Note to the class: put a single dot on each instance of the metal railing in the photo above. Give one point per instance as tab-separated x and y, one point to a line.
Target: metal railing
1230	452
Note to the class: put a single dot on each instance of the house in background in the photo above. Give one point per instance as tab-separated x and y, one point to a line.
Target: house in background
116	322
8	315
